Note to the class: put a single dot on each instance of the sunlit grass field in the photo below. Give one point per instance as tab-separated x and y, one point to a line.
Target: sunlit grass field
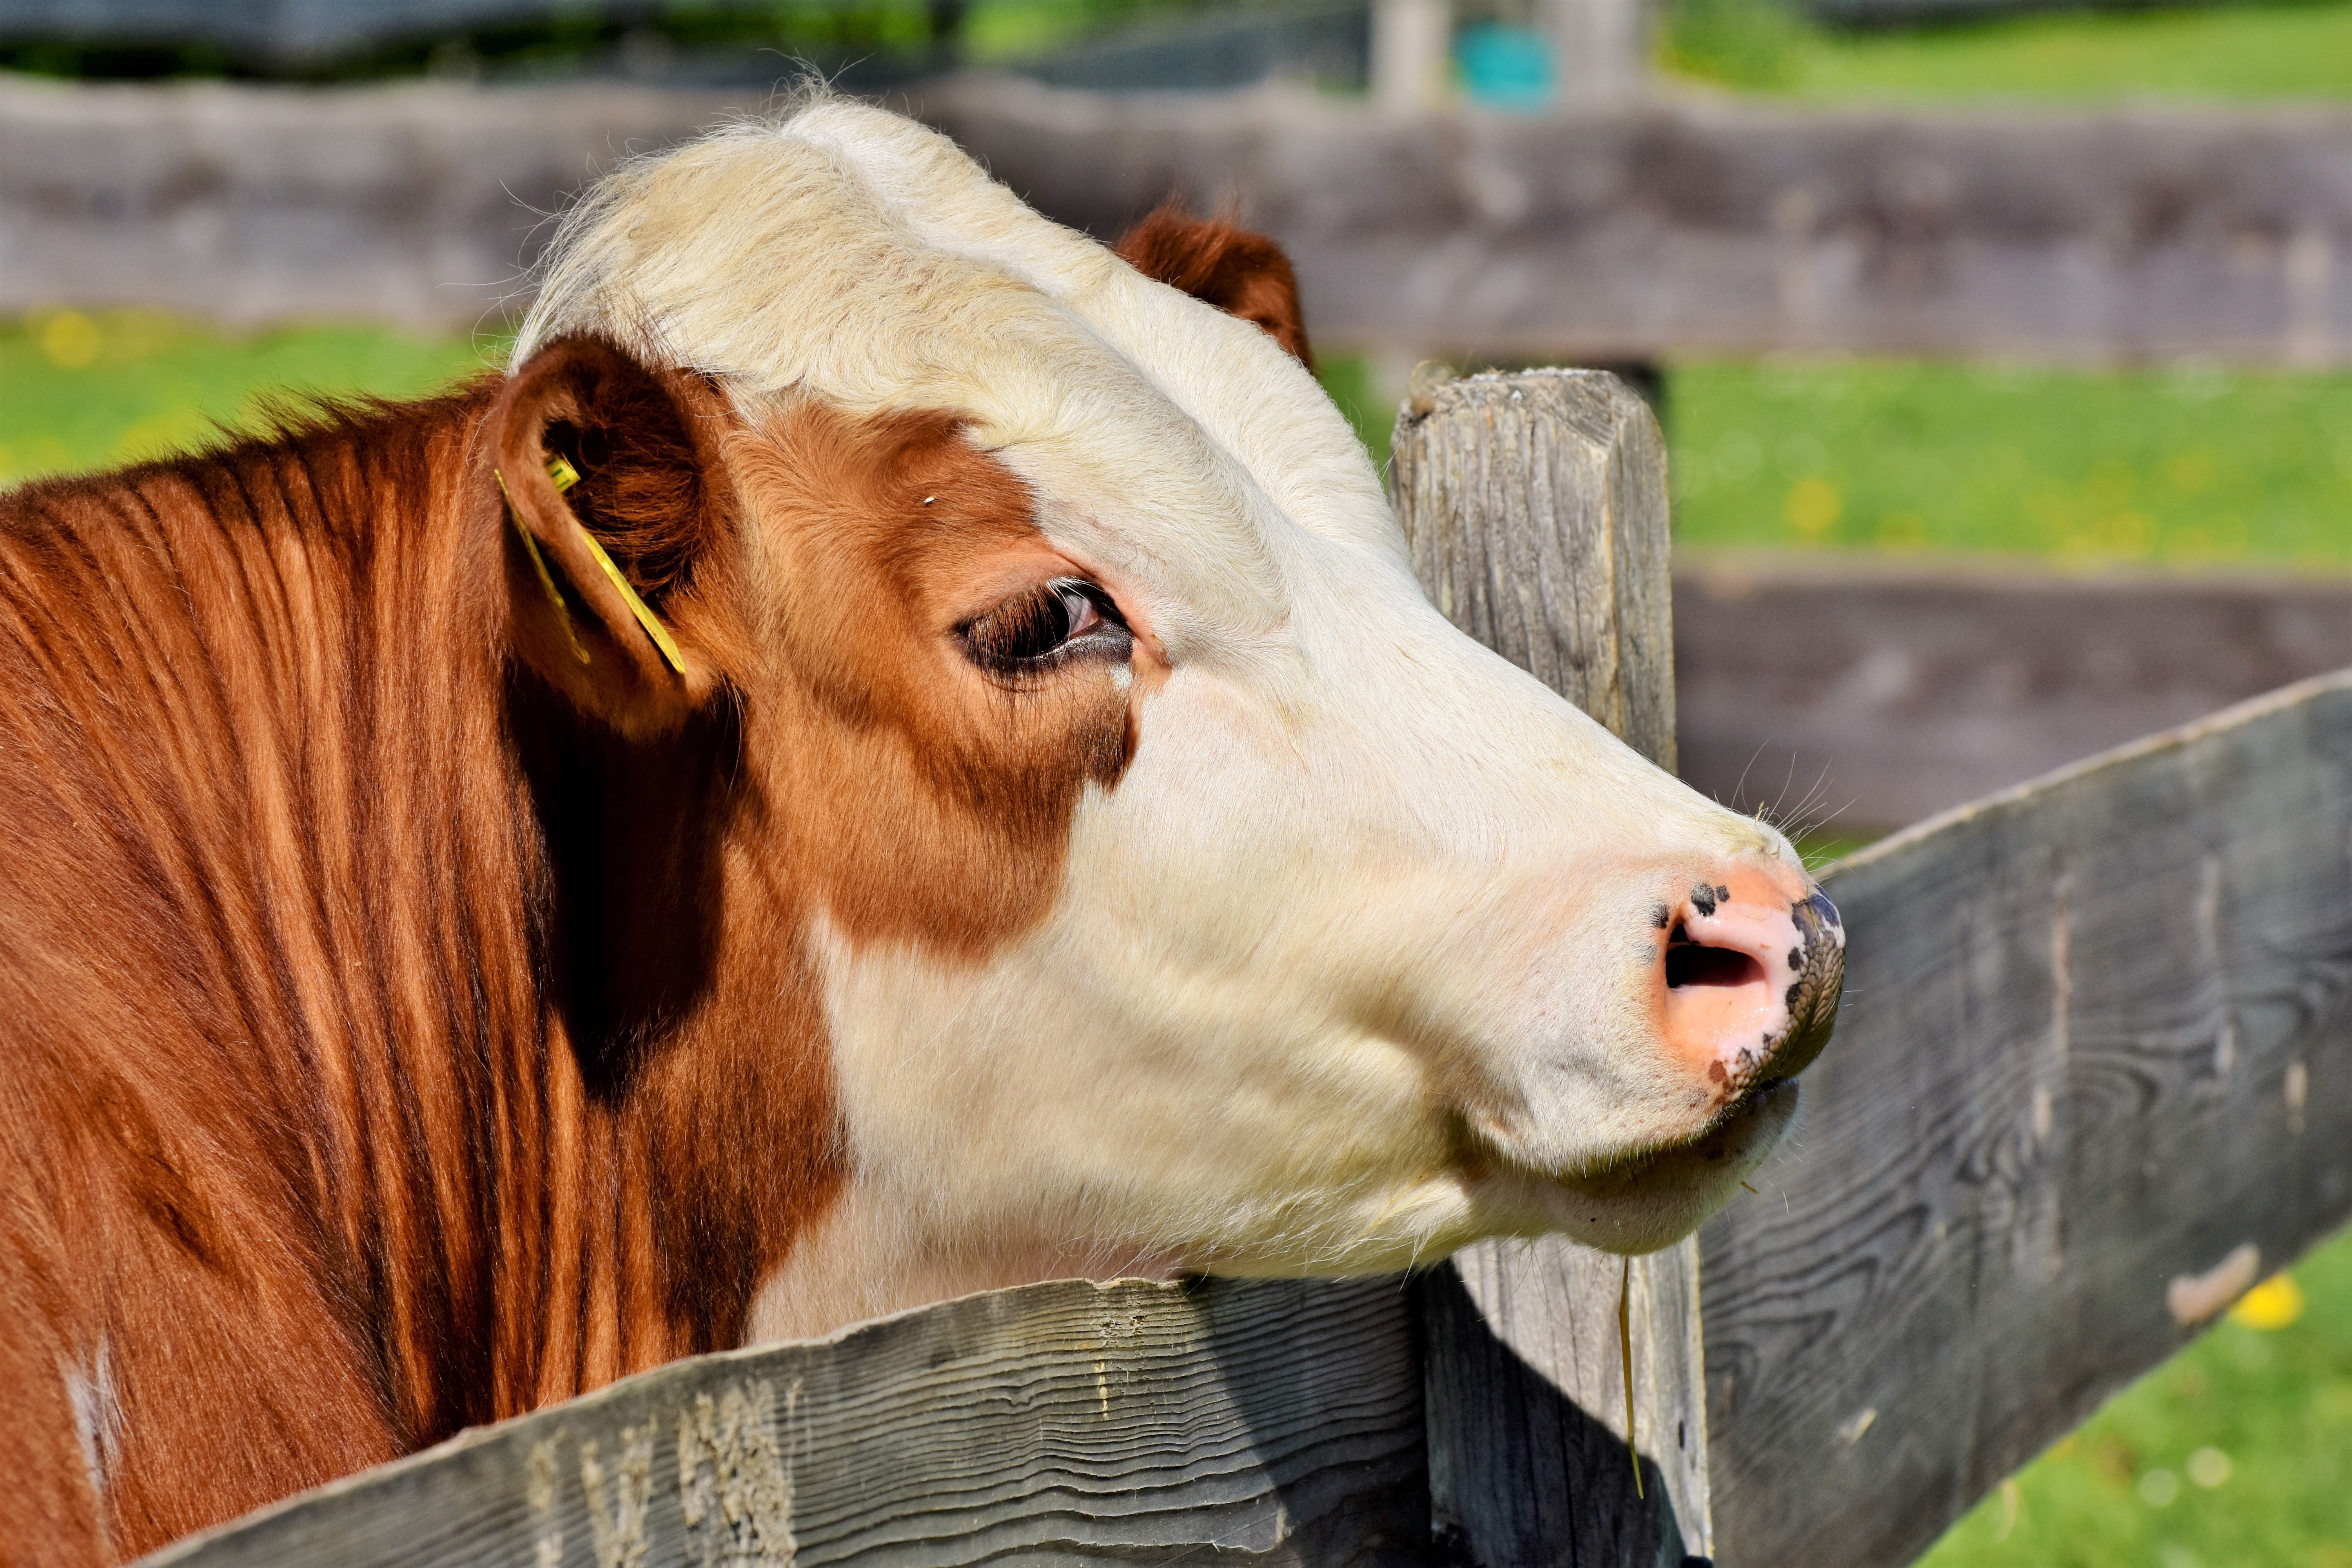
2194	467
2233	1453
2244	50
2237	51
2236	1452
94	390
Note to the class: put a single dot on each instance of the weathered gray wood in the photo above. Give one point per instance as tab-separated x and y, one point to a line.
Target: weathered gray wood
1600	48
1718	226
2096	1045
1276	1422
1528	1458
1412	55
1672	226
1535	506
418	203
1877	694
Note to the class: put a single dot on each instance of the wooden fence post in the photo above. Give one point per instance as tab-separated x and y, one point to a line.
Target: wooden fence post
1534	505
1600	50
1413	51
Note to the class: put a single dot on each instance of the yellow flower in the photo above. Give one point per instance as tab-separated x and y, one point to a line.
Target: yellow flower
71	340
1813	505
2272	1304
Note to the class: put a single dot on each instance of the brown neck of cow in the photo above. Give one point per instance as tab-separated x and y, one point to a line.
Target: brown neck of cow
375	1003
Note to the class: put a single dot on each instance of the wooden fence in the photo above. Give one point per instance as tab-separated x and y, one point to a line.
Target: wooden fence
1674	226
1699	226
1916	686
2093	1078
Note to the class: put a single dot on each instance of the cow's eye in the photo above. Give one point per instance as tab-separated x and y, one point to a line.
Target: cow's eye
1044	624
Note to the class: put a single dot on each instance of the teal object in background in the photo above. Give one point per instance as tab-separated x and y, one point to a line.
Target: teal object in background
1503	67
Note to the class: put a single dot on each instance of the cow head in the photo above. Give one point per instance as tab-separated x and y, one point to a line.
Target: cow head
1159	881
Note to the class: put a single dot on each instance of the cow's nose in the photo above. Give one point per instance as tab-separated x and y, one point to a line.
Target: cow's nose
1814	998
1750	980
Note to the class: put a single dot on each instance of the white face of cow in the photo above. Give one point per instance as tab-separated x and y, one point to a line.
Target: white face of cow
1366	954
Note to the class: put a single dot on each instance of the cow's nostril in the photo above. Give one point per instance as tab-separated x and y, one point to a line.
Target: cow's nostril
1688	964
1749	985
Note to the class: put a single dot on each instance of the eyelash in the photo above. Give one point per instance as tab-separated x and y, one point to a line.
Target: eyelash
1037	629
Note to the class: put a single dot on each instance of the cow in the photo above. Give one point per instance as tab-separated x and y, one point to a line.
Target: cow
891	752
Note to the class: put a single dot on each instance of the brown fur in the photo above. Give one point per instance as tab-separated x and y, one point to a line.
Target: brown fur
408	1025
1221	264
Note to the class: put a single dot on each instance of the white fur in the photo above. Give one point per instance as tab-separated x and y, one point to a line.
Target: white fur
1366	890
98	1417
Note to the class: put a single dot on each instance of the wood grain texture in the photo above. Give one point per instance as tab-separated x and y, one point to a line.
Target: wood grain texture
2097	1037
1527	1457
1535	506
1259	1421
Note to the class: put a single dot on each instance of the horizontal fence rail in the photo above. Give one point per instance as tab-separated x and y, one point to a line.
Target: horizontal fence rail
1699	226
2093	1078
1873	694
1672	227
418	203
1276	1421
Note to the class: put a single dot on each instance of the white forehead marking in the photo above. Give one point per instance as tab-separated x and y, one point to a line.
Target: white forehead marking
848	253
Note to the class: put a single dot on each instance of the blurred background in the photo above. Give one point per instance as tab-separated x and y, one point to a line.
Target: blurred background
2001	348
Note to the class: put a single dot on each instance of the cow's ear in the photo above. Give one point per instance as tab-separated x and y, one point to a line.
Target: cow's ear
619	546
1241	273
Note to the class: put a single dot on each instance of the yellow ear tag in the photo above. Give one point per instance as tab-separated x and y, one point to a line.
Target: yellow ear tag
563	476
646	617
539	564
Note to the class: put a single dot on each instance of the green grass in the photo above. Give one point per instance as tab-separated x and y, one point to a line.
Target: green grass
2199	465
88	391
2188	467
1350	382
1824	846
999	30
2130	1486
2228	51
